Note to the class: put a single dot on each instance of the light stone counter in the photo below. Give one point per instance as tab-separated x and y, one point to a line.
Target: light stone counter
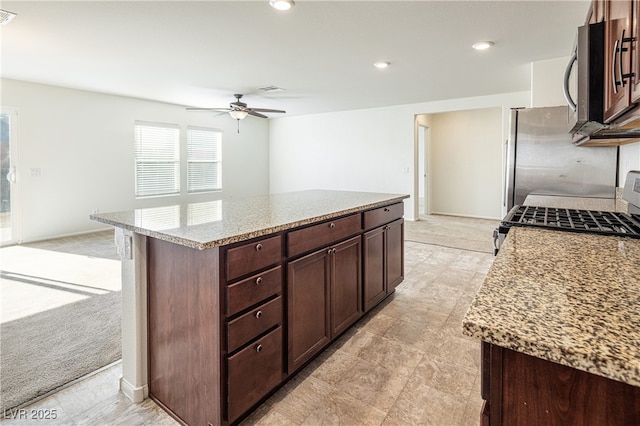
215	223
577	203
202	226
565	297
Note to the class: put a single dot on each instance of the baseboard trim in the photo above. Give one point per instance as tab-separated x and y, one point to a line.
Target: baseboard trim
135	394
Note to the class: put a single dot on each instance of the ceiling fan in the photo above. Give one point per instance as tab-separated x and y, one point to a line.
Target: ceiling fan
239	110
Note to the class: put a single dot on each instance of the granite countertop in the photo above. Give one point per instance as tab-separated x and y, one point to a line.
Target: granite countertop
215	223
569	298
577	203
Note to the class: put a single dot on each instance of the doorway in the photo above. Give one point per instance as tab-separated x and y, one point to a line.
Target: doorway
422	170
8	176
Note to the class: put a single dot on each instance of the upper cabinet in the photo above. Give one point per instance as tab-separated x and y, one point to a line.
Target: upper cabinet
620	46
635	54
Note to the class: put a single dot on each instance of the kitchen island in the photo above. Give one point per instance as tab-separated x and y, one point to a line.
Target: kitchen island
223	301
559	320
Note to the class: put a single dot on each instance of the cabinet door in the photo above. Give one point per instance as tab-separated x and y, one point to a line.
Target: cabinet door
597	11
635	54
618	50
346	297
394	236
374	274
308	292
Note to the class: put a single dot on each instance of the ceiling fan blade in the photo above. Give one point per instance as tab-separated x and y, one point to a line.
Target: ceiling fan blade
267	110
209	109
256	114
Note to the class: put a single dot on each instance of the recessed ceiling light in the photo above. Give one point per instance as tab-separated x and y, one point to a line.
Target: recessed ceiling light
282	4
482	45
381	64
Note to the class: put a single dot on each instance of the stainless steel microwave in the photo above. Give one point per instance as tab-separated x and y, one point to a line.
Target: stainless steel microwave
586	72
585	75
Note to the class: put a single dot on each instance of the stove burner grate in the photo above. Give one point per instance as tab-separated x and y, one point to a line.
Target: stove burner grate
599	222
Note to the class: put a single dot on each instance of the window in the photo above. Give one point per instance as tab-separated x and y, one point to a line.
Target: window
204	167
157	156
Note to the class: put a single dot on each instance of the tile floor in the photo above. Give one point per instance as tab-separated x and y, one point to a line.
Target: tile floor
404	363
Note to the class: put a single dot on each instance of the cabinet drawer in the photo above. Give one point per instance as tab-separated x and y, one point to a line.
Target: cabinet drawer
322	234
254	289
258	320
250	257
382	215
253	372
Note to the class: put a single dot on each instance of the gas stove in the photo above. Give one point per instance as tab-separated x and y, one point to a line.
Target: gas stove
574	220
577	220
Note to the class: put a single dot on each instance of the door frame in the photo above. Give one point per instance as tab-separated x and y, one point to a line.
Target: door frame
15	193
421	125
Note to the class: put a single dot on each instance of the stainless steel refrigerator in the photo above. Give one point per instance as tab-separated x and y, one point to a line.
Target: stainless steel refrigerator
542	160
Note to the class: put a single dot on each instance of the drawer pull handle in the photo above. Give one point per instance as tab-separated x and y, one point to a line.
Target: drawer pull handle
258	280
259	348
259	314
332	225
258	247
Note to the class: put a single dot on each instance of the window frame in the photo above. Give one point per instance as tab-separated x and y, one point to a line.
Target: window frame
152	157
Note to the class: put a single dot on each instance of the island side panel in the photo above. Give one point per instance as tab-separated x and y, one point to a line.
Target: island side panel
527	390
185	331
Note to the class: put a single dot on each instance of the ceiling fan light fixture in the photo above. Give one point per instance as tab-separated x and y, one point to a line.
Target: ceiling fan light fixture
282	4
238	115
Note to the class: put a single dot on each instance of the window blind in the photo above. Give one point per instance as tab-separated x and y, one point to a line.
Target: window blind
157	156
204	162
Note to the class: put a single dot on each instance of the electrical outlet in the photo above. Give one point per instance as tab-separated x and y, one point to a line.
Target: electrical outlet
36	172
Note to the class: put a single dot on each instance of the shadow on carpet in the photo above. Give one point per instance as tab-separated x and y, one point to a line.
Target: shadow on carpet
42	352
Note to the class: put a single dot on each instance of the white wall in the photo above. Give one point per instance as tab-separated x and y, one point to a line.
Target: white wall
547	79
466	163
82	142
362	150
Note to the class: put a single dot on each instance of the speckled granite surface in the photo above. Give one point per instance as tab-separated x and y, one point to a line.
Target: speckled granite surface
220	222
569	298
578	203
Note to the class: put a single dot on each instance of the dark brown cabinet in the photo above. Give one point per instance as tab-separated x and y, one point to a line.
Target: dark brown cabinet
346	285
383	261
230	324
308	296
620	42
520	389
323	293
635	53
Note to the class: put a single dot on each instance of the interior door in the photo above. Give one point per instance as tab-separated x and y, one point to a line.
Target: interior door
8	176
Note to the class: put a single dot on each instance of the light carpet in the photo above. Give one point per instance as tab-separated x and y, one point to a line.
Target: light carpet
46	350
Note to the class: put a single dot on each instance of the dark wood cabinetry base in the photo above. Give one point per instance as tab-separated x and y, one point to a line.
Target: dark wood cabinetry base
228	325
523	390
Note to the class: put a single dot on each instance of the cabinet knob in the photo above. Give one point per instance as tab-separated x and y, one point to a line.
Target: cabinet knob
258	280
332	225
329	252
259	348
259	314
258	247
386	209
333	251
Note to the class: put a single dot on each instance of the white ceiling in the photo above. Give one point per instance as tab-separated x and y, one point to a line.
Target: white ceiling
199	53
